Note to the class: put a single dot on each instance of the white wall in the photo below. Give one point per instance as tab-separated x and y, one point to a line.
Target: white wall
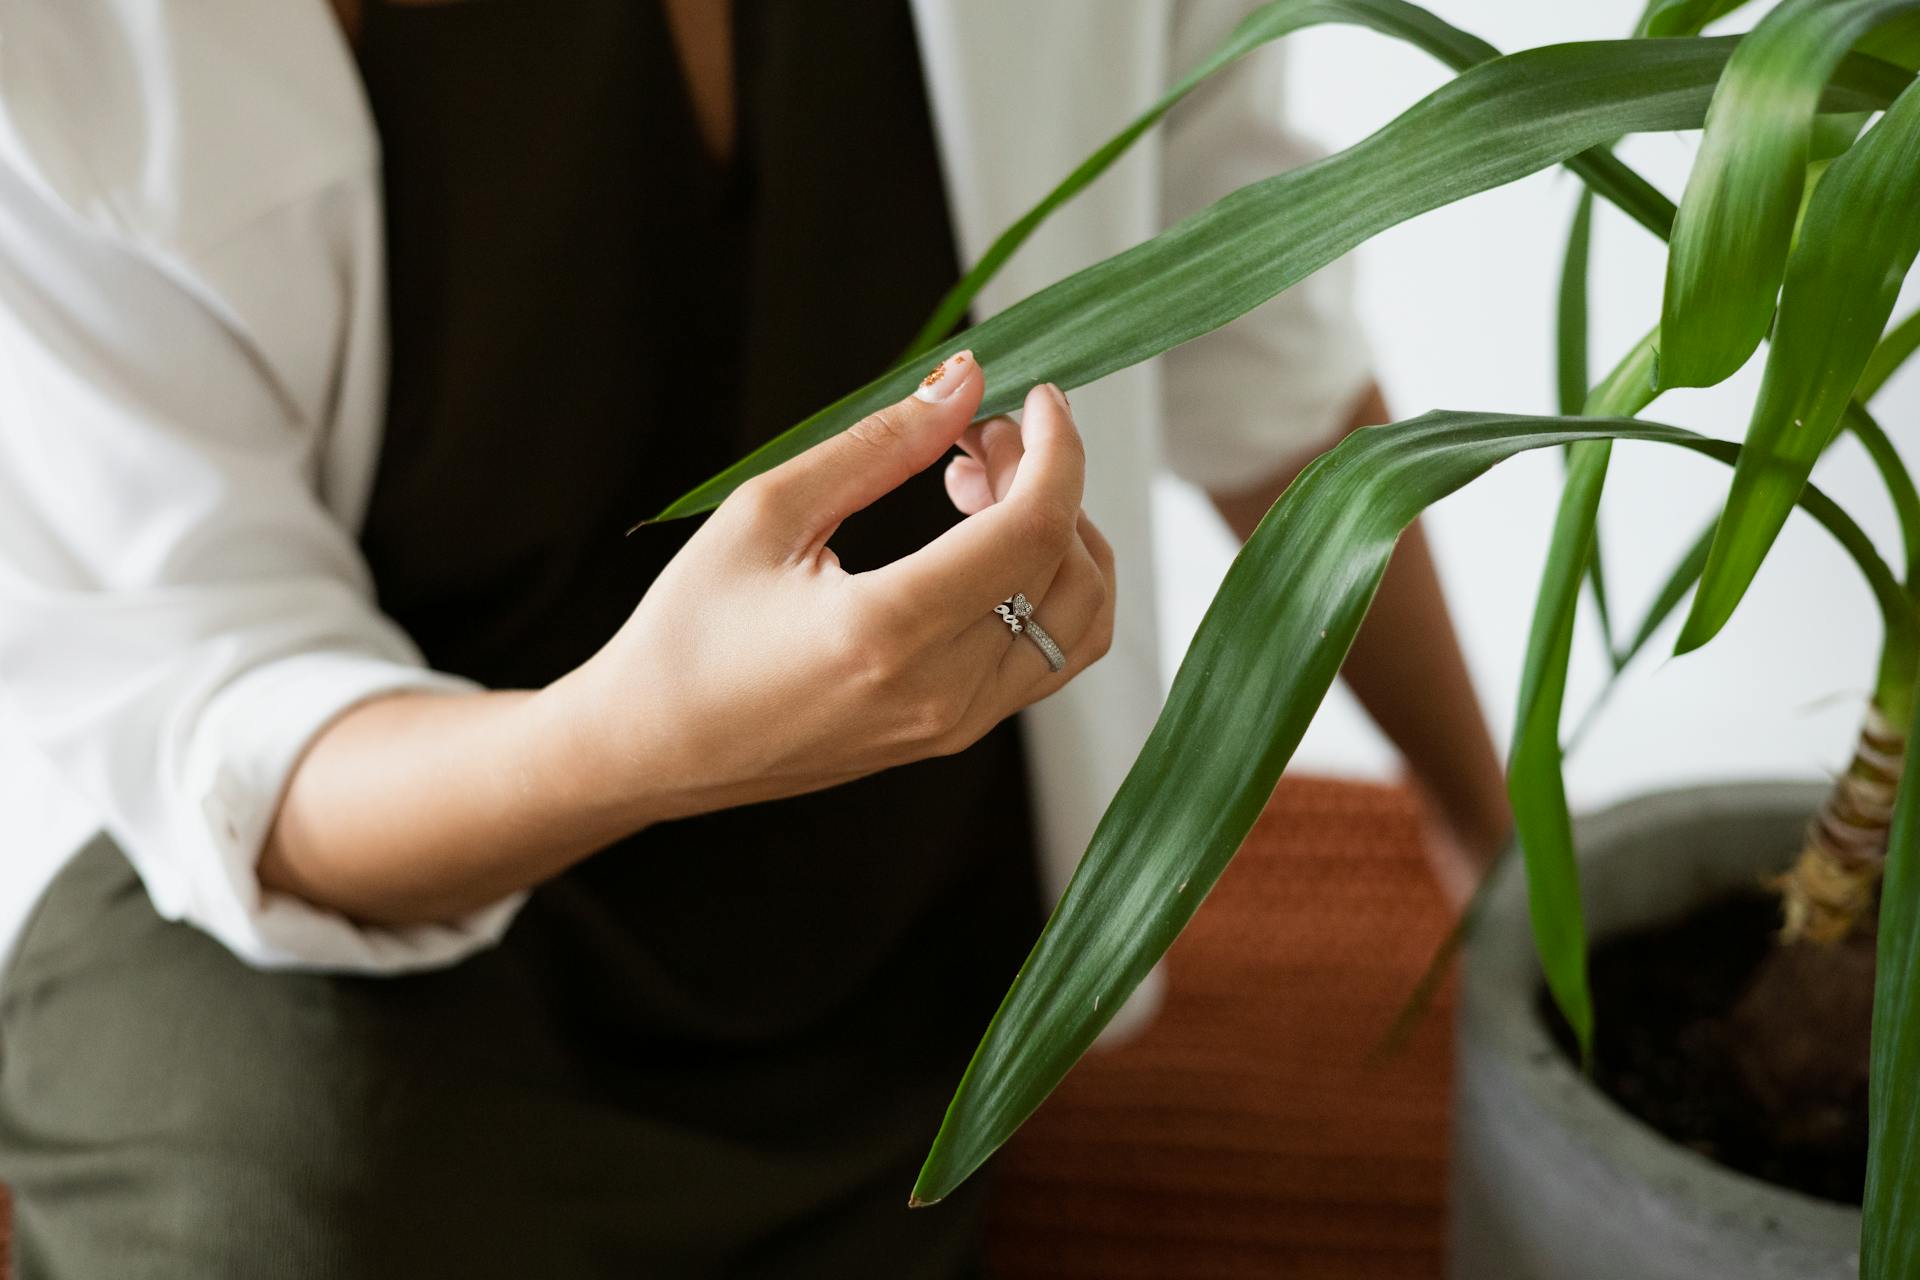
1460	306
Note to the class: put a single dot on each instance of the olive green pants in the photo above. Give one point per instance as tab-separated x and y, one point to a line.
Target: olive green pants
168	1113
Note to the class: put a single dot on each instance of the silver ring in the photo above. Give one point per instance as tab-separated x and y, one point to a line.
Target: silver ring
1017	612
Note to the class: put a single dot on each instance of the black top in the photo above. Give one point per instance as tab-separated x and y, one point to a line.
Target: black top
589	316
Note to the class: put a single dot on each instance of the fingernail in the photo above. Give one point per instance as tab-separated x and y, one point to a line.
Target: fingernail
946	376
1061	396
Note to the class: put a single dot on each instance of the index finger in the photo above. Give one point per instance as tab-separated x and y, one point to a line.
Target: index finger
1015	544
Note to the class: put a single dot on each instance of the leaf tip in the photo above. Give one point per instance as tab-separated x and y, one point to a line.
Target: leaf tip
696	502
1696	631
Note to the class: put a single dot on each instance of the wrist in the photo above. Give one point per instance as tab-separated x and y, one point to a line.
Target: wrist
578	755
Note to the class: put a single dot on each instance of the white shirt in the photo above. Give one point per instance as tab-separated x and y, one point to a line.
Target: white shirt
192	379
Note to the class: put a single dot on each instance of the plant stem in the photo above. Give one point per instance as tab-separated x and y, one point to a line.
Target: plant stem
1831	889
1833	886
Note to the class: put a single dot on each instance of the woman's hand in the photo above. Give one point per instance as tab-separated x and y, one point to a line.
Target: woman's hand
756	667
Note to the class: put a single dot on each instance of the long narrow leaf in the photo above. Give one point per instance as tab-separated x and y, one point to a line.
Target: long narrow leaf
1570	370
1736	219
1894	349
1831	135
1570	312
1683	17
1890	1230
1497	122
1894	475
1269	22
1857	241
1897	42
1536	786
1262	660
1673	591
1679	581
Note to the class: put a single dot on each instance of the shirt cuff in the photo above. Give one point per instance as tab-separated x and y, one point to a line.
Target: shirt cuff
249	739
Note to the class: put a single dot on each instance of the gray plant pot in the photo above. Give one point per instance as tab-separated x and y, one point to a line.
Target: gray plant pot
1551	1180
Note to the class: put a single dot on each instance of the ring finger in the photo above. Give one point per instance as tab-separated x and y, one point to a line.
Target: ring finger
1075	611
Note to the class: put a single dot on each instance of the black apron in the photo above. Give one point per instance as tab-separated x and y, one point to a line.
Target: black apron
721	1047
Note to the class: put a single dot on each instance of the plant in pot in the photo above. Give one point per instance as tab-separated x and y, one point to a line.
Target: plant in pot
1798	224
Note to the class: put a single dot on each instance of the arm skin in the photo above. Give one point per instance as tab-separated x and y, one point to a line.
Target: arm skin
1408	672
425	806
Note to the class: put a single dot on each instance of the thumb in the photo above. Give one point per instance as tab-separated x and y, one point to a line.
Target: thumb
814	492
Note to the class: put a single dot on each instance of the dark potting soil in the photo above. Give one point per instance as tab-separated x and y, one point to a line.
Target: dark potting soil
1664	1051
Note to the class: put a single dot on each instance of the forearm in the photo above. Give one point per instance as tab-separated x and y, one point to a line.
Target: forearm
420	807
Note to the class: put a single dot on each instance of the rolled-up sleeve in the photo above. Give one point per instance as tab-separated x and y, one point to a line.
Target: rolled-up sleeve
1277	384
182	609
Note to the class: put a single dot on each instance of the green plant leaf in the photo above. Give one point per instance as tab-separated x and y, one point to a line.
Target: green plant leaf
1897	41
1262	660
1673	591
1269	22
1832	134
1536	785
1679	581
1898	480
1890	1228
1858	240
1495	123
1683	17
1570	370
1736	219
1893	351
1570	311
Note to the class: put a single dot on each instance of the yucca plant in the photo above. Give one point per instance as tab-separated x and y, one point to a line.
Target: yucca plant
1798	224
